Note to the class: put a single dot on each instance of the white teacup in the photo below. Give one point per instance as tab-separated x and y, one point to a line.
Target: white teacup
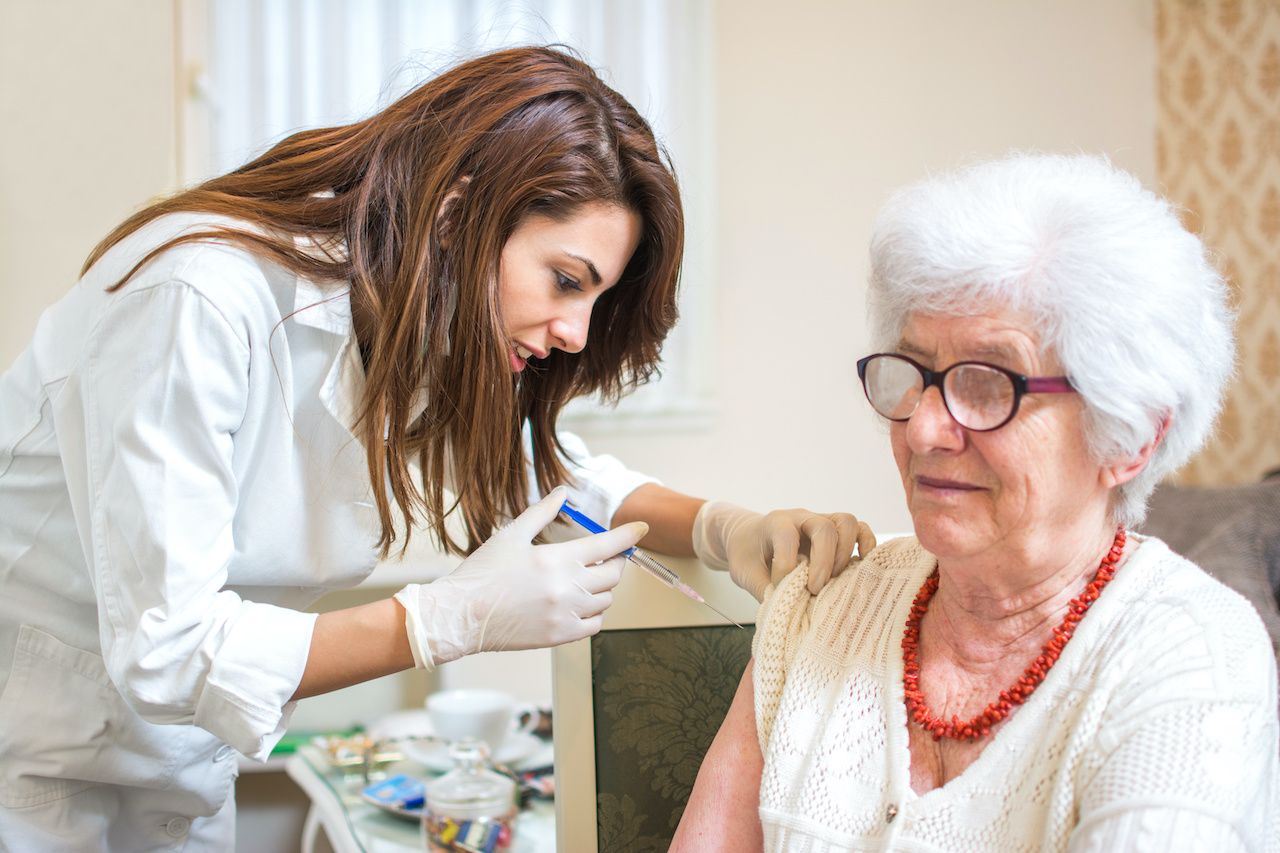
487	715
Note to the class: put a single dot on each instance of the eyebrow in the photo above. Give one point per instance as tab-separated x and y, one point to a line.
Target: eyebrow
1004	354
1008	355
910	349
591	268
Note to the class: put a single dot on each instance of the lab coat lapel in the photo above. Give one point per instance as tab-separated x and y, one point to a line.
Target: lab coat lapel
343	384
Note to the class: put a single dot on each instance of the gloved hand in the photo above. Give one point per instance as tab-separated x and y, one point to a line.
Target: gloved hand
759	550
511	594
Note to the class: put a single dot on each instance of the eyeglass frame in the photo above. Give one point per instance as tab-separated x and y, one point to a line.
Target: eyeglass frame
1022	385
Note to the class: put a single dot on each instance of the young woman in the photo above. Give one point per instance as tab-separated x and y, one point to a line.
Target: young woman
258	383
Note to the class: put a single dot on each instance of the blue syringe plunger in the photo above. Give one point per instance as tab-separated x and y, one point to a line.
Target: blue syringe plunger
644	561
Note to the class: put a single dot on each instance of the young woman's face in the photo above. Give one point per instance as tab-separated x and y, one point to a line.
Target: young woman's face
552	272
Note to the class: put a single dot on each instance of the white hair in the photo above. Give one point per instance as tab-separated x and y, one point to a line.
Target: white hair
1124	296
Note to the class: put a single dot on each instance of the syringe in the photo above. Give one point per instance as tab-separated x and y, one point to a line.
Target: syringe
665	575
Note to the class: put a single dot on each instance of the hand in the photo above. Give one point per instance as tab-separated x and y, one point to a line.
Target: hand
759	550
511	594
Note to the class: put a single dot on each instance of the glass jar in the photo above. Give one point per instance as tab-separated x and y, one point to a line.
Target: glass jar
470	809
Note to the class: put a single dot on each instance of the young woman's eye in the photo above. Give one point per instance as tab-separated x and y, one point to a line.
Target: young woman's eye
565	283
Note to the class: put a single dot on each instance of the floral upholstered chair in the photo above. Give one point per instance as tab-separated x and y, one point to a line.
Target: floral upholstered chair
637	706
660	697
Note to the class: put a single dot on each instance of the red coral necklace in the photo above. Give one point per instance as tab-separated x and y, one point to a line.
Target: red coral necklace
980	726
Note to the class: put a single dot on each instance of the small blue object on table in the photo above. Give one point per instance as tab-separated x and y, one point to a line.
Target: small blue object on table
352	823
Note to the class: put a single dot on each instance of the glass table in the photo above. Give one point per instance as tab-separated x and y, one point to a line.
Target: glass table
352	825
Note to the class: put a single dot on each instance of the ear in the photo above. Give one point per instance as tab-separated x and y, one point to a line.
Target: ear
446	215
1119	473
446	226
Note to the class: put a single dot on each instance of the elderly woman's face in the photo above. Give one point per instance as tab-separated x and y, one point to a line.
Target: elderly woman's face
969	491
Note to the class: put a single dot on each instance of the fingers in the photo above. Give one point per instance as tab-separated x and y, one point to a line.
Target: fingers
601	546
589	627
823	544
755	583
866	539
533	520
601	578
597	583
598	605
827	541
847	533
785	544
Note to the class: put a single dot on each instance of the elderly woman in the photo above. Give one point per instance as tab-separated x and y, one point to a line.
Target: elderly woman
1024	673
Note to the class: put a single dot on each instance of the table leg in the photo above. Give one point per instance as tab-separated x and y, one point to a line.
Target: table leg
310	830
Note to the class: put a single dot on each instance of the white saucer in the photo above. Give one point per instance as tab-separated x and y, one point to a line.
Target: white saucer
401	724
434	755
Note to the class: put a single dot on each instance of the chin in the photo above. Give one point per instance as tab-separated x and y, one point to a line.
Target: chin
943	534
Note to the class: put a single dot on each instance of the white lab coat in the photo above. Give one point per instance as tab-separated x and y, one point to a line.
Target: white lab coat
177	480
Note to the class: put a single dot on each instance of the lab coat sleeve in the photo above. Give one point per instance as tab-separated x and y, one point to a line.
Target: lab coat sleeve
598	484
164	388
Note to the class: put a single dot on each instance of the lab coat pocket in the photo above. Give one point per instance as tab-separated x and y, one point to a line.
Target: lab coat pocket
64	728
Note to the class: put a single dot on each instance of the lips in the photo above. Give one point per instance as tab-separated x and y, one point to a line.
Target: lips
520	355
527	352
943	483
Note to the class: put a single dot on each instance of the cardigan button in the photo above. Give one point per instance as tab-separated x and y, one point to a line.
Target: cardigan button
890	813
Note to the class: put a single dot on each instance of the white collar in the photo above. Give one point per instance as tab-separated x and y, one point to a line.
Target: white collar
329	308
344	384
329	311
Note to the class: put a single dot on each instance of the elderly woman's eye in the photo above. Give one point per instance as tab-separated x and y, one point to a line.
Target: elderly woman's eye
983	387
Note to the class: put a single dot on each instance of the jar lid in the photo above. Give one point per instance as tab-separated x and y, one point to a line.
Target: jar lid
470	790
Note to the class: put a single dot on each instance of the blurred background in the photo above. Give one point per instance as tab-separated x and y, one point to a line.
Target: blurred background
788	123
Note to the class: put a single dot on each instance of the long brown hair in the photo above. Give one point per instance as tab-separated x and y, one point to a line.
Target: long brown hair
419	200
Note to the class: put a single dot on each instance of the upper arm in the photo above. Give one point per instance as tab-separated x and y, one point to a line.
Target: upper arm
1190	734
598	484
723	810
1208	768
163	393
669	514
1163	828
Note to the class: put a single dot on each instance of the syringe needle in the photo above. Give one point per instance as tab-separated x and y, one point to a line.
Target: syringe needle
671	579
651	566
717	610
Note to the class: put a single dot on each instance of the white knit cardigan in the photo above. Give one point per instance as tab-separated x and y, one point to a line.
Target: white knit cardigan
1155	730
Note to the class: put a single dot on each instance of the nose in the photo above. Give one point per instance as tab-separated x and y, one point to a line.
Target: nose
931	426
569	330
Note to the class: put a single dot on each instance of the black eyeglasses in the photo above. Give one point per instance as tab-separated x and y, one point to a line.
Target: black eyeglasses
979	396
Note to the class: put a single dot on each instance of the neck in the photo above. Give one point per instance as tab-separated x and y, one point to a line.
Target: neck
1009	597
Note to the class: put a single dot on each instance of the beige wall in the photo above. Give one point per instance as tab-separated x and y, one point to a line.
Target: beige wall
86	102
1219	143
823	108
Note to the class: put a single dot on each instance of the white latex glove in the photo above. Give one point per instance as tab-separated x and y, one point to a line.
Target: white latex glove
759	550
512	594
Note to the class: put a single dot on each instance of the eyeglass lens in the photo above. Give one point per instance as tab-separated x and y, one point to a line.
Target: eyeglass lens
978	397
